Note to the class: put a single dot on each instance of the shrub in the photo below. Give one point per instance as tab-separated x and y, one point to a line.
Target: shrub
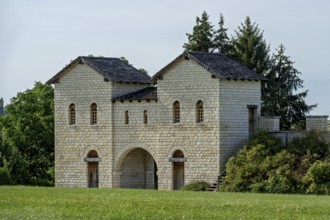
5	178
317	179
196	186
312	144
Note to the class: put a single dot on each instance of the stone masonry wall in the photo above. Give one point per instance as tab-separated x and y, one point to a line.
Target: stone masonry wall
82	86
316	122
235	96
160	137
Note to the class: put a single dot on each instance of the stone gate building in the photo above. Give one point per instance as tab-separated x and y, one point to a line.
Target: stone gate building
117	127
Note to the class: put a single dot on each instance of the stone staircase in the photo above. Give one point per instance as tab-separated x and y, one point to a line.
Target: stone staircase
217	184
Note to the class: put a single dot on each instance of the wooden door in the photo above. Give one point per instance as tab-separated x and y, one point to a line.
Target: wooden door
93	175
178	178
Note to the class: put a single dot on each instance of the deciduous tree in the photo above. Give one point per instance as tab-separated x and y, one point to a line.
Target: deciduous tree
28	134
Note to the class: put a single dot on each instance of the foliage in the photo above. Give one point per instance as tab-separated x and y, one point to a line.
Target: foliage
279	92
196	186
313	144
202	37
82	203
317	178
28	134
221	40
5	178
264	166
250	48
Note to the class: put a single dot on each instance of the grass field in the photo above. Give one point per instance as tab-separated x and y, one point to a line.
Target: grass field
19	202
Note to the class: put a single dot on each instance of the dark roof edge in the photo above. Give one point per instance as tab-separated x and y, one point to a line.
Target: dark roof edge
81	59
168	66
191	56
65	69
204	66
141	94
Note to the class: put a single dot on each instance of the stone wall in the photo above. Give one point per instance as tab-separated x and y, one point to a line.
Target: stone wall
269	123
161	137
234	99
82	86
316	122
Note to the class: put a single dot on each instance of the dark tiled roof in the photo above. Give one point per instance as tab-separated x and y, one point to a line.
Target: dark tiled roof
113	69
218	65
149	93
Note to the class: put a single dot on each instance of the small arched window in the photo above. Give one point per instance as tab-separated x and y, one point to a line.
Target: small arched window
93	114
72	114
145	117
199	112
176	112
126	117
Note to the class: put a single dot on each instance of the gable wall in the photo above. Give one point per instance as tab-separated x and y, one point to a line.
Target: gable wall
81	86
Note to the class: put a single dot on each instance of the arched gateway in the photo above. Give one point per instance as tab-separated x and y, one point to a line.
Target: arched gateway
138	170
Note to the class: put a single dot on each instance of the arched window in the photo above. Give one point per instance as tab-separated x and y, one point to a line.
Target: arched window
126	117
145	117
176	112
199	112
72	114
93	114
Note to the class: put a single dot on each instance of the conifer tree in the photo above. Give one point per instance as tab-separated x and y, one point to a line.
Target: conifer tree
280	98
202	37
250	48
221	39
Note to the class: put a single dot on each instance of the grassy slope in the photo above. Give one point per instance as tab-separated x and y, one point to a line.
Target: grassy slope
64	203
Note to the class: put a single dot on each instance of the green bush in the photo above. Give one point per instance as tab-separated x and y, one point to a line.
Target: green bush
5	178
196	186
312	144
317	179
264	166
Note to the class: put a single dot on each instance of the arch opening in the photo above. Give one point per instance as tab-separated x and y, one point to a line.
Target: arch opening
138	170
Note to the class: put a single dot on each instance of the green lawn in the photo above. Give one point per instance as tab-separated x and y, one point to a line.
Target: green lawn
19	202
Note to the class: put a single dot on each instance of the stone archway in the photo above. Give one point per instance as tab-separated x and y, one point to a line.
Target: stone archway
137	169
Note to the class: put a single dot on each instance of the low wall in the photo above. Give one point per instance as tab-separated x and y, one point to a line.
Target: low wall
287	136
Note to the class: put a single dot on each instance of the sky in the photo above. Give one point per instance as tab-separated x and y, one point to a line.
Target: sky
39	37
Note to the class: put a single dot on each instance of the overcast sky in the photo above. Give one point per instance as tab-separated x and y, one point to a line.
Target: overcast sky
39	37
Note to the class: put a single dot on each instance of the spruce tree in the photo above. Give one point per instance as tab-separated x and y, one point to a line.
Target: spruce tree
202	37
221	39
280	98
250	48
